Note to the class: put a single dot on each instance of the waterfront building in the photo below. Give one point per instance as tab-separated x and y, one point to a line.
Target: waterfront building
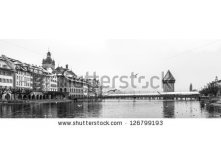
27	77
91	90
63	80
29	81
80	87
97	88
23	76
45	82
7	74
50	75
85	88
168	82
38	79
69	83
64	76
94	88
19	80
53	83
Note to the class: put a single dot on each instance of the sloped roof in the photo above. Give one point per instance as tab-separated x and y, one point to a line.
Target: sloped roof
70	72
168	76
18	65
59	70
64	71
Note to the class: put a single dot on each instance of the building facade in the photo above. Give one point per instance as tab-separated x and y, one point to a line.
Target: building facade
23	77
7	78
6	75
68	83
53	83
50	76
19	80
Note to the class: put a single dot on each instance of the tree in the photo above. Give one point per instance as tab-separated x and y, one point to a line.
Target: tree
210	89
2	91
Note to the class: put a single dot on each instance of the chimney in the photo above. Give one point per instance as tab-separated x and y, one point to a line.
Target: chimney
66	66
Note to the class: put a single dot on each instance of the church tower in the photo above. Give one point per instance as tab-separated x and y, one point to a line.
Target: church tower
168	82
48	62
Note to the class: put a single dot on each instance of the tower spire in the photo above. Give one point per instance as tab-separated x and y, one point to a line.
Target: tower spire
48	62
49	54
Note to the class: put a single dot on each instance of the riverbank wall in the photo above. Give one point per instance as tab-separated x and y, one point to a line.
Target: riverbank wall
49	101
212	101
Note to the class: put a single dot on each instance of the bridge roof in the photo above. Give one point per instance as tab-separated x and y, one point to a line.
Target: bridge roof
154	94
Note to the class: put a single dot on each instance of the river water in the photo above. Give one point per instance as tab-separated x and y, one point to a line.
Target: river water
111	109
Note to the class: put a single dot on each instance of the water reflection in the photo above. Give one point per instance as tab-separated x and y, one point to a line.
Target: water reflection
168	109
80	110
111	109
213	111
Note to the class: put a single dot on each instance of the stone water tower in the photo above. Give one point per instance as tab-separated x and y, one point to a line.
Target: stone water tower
168	82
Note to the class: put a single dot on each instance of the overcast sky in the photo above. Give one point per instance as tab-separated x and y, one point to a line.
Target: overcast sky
117	31
190	61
